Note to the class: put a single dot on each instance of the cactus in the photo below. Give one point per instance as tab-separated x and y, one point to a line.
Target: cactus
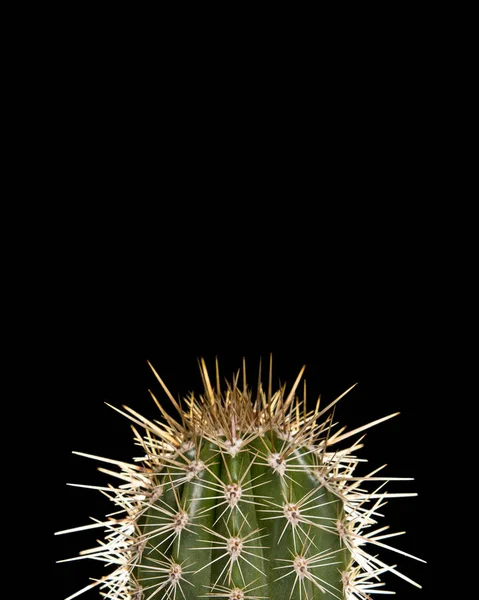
242	498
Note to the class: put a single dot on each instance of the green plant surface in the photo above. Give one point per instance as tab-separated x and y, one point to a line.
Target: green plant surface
243	498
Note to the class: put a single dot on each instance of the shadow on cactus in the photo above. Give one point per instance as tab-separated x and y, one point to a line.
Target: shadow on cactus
243	498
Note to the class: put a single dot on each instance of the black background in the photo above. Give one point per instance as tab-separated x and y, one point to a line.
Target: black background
362	293
312	211
320	239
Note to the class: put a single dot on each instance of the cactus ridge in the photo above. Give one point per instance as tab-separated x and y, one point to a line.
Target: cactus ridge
242	498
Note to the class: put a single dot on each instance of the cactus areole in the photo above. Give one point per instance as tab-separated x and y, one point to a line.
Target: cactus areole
242	497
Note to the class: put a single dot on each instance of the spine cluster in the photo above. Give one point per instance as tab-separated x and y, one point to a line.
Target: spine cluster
241	497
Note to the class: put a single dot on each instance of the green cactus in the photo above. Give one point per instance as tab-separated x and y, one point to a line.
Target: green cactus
242	498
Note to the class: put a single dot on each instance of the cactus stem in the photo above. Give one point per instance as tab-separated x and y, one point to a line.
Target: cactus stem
235	488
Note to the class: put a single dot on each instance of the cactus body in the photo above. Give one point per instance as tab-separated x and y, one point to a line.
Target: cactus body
239	498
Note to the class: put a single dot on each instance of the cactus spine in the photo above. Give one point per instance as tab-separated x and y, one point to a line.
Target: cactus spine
242	499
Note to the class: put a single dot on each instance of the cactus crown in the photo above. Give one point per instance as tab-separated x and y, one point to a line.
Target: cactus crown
242	498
